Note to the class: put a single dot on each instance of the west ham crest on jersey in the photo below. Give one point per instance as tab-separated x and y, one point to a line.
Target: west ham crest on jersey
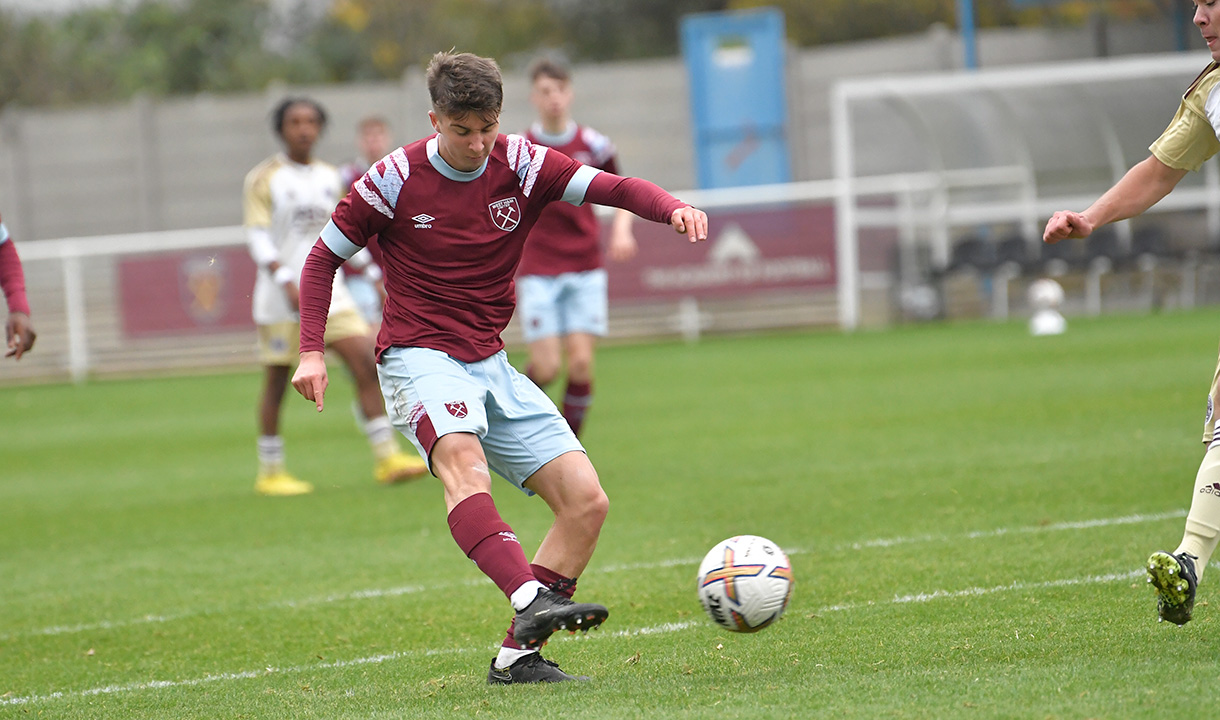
506	214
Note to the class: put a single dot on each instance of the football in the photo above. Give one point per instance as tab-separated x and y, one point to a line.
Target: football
745	583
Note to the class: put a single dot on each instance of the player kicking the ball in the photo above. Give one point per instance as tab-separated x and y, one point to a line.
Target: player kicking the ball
451	213
1186	144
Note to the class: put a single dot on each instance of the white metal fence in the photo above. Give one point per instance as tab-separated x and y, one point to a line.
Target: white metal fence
1000	150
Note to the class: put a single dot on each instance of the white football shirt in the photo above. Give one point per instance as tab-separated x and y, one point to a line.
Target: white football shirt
288	204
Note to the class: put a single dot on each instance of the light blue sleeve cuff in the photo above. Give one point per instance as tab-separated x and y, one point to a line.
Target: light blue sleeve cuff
3	233
579	184
338	242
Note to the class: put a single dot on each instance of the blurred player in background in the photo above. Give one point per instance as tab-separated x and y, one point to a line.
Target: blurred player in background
373	143
288	198
18	332
452	212
561	283
1186	144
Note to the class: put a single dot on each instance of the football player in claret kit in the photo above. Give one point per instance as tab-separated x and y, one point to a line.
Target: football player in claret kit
373	142
18	332
288	198
561	283
1186	144
451	213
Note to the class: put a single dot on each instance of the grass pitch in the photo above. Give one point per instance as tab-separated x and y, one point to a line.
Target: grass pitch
967	510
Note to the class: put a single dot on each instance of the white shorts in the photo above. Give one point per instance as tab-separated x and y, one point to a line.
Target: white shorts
429	394
556	305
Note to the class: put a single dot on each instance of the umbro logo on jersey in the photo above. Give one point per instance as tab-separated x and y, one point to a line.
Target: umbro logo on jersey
423	220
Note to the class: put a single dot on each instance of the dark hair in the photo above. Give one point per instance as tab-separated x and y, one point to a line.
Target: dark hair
463	83
277	117
551	67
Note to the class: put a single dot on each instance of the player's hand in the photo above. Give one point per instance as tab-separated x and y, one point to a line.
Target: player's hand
691	222
310	378
293	293
622	246
19	335
1066	224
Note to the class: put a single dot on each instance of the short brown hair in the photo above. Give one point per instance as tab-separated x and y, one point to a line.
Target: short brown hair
549	67
373	121
464	83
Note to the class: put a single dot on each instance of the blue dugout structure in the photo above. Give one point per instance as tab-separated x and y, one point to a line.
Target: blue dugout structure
735	62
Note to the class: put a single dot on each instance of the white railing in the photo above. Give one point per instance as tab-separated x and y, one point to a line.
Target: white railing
1027	207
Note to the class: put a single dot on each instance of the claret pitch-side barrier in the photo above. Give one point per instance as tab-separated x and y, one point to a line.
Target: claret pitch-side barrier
180	300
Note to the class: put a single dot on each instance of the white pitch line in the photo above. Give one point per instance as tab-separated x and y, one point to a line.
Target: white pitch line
375	593
976	591
645	631
1025	530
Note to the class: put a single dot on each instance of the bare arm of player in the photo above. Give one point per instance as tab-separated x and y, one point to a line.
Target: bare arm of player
622	245
317	280
1142	187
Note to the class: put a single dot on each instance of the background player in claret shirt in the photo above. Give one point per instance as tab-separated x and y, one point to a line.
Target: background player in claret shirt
1190	139
288	198
372	143
561	284
451	213
18	332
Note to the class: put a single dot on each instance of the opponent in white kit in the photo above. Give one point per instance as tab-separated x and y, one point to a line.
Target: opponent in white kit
288	198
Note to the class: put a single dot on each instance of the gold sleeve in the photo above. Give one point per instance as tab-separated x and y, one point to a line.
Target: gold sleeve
1190	138
256	197
1188	141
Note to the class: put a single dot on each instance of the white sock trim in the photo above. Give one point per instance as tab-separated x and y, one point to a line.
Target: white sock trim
524	595
270	449
509	656
378	430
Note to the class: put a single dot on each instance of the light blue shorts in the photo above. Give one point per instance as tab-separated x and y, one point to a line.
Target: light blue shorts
555	305
429	394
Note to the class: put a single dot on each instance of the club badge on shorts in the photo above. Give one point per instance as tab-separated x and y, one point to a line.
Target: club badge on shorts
506	214
456	409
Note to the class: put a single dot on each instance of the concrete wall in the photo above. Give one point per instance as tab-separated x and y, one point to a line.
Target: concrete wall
179	163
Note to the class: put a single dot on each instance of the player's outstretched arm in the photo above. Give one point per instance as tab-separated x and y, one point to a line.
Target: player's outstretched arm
19	334
317	280
1142	187
648	201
